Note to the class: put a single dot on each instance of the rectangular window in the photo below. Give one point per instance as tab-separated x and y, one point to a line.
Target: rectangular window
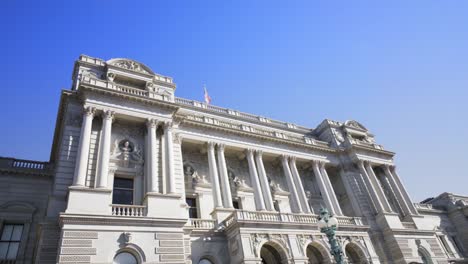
10	241
123	191
193	210
444	243
455	243
236	204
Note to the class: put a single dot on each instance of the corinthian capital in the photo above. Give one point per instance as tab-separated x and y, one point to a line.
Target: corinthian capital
221	147
108	114
168	125
89	111
152	123
249	152
211	144
259	153
284	158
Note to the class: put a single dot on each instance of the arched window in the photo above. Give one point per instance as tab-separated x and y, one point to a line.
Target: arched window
205	261
125	258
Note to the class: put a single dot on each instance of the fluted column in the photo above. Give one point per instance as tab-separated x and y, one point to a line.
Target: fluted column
299	186
152	177
264	181
103	173
218	203
83	147
370	187
401	190
332	193
169	157
259	201
326	196
291	186
223	173
378	187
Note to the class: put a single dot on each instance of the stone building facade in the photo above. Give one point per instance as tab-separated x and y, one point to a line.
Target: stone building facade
137	175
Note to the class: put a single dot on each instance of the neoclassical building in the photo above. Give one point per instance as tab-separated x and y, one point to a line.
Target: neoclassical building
138	175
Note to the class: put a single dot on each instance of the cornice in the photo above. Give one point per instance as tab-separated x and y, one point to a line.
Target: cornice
187	119
361	147
136	98
236	115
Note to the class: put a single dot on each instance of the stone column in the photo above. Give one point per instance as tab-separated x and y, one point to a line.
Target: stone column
218	203
260	203
300	188
104	155
152	177
83	147
395	179
169	157
331	191
223	173
370	187
378	187
291	186
264	181
323	188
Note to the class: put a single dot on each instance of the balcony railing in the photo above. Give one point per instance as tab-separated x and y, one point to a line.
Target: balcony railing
128	210
276	217
197	223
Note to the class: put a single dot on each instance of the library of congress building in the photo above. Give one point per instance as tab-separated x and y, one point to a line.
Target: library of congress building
137	175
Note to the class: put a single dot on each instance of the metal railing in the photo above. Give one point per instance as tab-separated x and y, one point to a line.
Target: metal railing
128	210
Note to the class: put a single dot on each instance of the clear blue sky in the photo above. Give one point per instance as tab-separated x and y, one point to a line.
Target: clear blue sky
398	67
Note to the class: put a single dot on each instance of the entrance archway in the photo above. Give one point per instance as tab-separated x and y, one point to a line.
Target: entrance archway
272	253
317	254
355	254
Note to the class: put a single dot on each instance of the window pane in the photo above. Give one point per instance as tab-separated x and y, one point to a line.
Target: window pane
17	231
6	234
122	197
125	258
191	202
123	183
13	250
3	250
193	213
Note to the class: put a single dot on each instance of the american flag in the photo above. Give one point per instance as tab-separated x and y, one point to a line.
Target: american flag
207	97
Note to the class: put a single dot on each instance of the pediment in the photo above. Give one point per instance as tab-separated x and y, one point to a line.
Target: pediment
21	207
130	65
355	124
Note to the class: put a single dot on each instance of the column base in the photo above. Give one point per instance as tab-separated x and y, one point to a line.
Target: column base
84	200
221	214
165	205
389	220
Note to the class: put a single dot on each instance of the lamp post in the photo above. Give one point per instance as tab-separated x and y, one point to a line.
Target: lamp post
328	224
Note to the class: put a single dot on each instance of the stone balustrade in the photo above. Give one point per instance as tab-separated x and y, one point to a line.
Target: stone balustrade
36	167
197	223
423	206
128	210
277	217
240	114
